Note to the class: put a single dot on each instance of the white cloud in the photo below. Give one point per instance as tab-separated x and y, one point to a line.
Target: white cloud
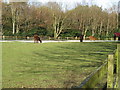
106	3
71	3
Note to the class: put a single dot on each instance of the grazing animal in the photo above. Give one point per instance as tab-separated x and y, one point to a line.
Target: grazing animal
81	38
92	38
37	38
115	37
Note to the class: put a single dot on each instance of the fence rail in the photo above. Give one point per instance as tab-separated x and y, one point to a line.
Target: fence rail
110	69
94	78
44	38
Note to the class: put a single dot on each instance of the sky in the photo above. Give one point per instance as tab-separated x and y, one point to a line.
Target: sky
72	3
105	4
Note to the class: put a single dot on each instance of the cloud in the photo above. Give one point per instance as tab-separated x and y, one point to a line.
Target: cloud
72	3
101	3
106	3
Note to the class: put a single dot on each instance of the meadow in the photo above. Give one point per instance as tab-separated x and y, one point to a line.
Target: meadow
51	65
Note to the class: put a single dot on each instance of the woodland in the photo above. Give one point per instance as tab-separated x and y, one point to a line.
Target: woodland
26	19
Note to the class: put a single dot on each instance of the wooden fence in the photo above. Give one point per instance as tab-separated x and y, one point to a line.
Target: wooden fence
110	71
43	38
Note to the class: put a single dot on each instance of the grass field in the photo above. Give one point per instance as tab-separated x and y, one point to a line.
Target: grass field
51	65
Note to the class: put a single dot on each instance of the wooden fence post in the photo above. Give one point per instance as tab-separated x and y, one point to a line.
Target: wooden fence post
118	64
110	71
116	69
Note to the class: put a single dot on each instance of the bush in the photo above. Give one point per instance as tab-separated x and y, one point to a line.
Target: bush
39	31
70	33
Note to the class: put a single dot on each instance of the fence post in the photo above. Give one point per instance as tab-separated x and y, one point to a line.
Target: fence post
110	71
118	64
67	38
116	69
3	37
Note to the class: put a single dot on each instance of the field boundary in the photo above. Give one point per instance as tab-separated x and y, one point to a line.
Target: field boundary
109	68
49	41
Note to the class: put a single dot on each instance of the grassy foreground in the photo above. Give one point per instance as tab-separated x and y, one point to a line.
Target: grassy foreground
51	65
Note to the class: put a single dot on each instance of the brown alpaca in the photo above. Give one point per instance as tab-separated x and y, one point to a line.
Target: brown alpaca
92	38
37	38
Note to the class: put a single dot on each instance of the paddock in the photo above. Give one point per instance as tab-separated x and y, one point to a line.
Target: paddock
53	64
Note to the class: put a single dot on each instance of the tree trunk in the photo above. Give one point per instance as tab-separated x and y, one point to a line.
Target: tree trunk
13	27
93	30
100	32
55	28
107	28
55	34
17	28
85	32
58	27
13	18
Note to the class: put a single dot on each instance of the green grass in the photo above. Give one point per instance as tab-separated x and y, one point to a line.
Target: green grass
51	65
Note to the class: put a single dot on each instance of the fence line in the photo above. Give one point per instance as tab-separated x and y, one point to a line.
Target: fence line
116	83
95	76
44	38
111	68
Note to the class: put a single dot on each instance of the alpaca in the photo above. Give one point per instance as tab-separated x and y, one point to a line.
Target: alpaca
92	38
37	38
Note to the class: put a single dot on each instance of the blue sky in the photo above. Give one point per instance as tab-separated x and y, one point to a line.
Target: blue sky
71	3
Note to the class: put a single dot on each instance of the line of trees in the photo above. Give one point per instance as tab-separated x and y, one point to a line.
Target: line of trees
25	19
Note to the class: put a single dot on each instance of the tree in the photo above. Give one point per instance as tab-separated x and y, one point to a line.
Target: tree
23	18
17	9
59	18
